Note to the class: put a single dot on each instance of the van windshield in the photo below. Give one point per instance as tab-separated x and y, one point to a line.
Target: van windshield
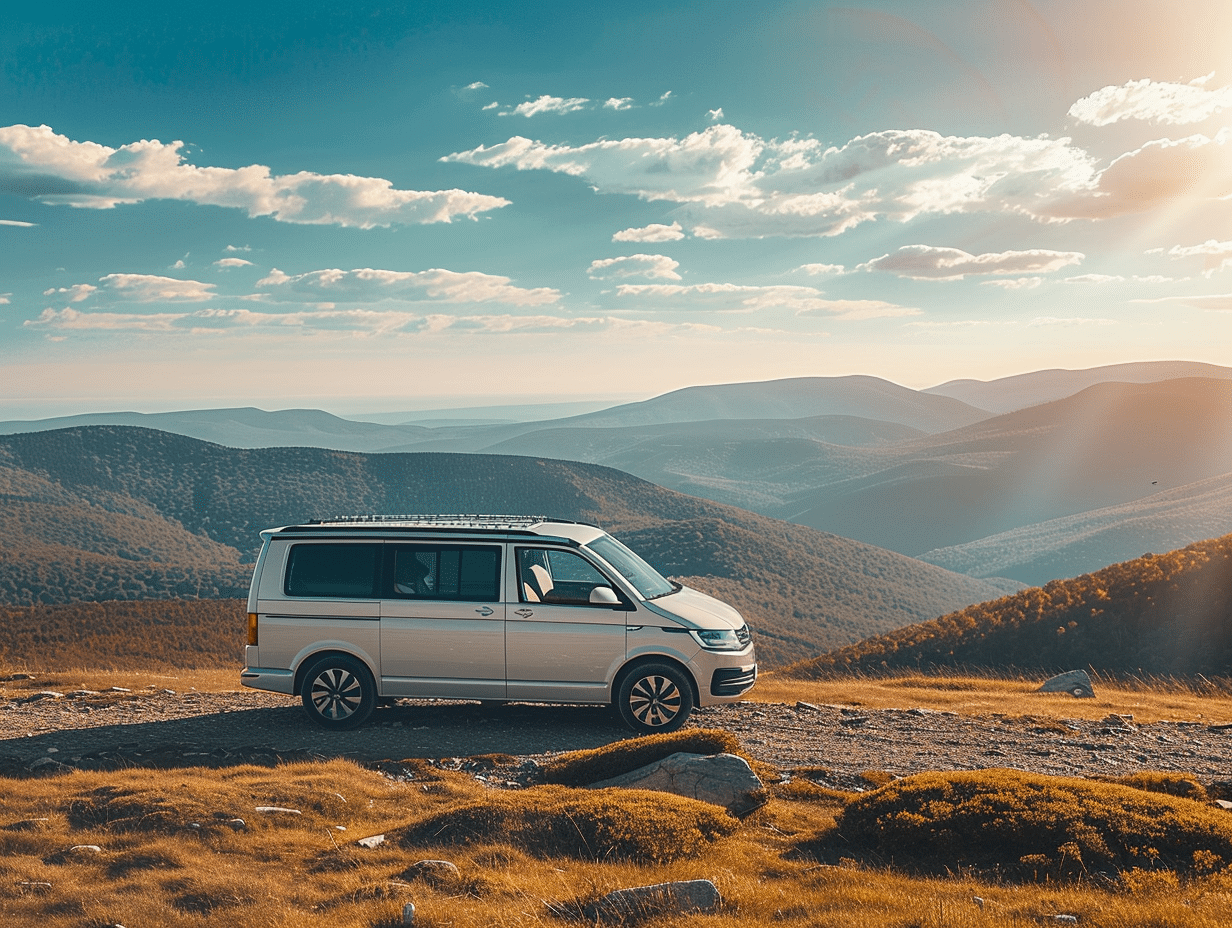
640	575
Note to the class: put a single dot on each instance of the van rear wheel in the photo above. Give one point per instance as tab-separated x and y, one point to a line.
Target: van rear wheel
655	698
338	692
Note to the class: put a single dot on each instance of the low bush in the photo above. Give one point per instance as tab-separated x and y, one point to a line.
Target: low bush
545	821
1030	826
581	768
1157	781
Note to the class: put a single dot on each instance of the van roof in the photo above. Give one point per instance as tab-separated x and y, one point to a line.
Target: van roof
540	526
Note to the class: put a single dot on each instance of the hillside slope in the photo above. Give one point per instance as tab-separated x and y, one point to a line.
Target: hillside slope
803	590
1088	541
1108	445
1160	613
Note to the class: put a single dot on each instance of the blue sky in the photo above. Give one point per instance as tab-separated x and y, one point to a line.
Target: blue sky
366	207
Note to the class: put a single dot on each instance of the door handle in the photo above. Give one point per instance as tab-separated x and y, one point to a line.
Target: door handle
524	613
484	610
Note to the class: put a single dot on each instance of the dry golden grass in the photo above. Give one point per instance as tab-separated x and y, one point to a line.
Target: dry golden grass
154	866
986	696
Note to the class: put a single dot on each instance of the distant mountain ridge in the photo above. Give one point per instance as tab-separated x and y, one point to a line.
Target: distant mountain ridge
1008	394
159	509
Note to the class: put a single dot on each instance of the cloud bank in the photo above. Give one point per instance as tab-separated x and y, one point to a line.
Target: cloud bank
737	185
1153	101
38	164
929	262
371	285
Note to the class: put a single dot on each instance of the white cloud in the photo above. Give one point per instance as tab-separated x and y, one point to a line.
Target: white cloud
1154	101
652	266
715	115
815	270
1047	321
1215	255
492	106
149	288
73	294
930	262
737	185
179	265
1116	279
41	165
547	104
663	98
17	223
476	85
370	285
234	248
804	301
618	103
1218	301
351	322
655	232
5	298
1014	283
232	262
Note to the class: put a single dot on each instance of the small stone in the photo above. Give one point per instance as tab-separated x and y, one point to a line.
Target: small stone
1075	682
236	824
53	750
809	706
433	872
978	901
659	899
274	810
1066	919
408	913
722	779
18	676
118	689
1224	804
85	849
371	841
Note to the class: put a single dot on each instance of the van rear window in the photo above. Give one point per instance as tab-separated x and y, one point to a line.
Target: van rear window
333	570
470	574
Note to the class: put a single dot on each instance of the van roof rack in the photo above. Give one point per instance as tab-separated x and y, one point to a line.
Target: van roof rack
436	520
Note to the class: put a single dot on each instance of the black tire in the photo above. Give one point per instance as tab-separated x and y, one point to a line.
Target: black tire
338	692
654	698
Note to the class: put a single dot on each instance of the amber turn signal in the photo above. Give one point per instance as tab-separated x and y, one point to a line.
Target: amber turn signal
252	628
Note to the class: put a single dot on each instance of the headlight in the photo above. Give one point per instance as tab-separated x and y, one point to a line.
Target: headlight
717	639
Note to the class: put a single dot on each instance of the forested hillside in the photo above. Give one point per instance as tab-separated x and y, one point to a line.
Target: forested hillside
1160	613
109	512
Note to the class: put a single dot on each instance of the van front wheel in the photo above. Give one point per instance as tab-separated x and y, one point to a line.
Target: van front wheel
655	698
338	692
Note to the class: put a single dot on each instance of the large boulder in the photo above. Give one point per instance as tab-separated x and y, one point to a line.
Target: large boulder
720	779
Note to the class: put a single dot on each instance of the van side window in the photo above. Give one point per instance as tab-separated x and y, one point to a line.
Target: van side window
549	575
333	570
457	572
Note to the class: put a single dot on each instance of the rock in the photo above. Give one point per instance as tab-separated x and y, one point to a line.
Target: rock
722	779
236	824
47	763
274	810
659	899
408	913
433	872
41	695
1066	919
1075	682
809	706
1224	804
371	841
17	676
85	849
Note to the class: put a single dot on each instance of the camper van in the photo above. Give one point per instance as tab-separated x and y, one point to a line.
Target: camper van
356	612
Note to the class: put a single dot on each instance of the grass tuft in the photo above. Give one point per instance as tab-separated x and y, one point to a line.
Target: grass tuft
581	768
1029	827
606	824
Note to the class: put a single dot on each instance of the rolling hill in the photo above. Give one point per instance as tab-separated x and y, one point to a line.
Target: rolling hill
1088	541
1008	394
803	590
1158	614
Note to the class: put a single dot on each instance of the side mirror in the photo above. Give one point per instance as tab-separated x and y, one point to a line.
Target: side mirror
604	596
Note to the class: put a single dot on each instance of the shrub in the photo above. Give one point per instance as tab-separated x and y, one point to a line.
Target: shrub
630	824
1030	826
580	768
1157	781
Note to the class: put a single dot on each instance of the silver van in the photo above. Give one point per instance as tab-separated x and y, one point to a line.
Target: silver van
352	612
